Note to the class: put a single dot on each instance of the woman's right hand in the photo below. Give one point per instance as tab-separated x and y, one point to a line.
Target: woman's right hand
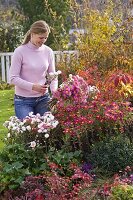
40	88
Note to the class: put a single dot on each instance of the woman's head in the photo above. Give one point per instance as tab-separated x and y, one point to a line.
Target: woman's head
38	33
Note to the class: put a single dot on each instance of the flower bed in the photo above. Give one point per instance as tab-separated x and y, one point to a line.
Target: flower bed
52	156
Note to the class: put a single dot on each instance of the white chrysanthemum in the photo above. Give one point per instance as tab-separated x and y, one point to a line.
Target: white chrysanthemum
33	144
46	135
30	114
48	124
70	76
56	74
51	74
40	131
8	135
28	128
59	72
48	120
42	128
55	123
45	130
21	131
38	115
5	123
33	121
92	89
11	124
23	128
38	120
13	118
39	125
24	121
9	127
17	129
14	128
52	117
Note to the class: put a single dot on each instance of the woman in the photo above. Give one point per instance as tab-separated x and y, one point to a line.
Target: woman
29	65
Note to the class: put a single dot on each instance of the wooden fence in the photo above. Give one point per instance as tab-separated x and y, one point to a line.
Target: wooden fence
5	62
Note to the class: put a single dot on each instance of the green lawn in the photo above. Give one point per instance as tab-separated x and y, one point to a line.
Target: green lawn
6	110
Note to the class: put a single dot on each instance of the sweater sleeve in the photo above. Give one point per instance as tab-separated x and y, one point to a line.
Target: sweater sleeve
15	71
54	83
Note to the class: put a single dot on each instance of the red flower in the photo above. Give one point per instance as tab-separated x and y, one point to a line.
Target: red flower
39	197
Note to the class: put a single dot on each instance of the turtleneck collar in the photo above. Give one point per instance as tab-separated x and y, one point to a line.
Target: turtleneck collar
34	47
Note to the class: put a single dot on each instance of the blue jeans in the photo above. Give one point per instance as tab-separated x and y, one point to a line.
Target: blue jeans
24	105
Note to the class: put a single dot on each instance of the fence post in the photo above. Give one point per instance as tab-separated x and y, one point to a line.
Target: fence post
3	68
7	68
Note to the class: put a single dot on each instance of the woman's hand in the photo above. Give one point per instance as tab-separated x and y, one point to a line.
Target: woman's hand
40	88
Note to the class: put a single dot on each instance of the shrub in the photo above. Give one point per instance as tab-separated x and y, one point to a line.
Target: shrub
112	154
104	41
86	115
64	159
124	192
10	30
16	162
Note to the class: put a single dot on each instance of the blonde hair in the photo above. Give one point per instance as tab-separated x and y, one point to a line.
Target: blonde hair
37	28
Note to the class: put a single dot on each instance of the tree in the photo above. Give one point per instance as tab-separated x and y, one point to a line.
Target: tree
106	40
55	13
10	30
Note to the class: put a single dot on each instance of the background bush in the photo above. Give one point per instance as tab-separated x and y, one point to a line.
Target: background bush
112	154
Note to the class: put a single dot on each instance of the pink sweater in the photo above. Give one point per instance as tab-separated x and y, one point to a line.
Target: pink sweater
29	65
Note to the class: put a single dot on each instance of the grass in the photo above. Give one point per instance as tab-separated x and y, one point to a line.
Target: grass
6	110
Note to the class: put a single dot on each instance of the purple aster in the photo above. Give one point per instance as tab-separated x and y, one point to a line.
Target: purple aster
86	167
131	177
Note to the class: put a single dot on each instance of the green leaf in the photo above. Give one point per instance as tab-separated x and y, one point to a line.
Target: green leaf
17	165
7	168
27	172
19	180
43	166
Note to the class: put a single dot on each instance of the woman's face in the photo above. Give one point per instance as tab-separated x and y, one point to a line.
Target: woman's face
39	39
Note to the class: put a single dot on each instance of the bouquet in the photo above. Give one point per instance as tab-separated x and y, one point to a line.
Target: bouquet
51	76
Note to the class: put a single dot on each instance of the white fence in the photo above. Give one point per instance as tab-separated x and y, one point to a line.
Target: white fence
5	61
